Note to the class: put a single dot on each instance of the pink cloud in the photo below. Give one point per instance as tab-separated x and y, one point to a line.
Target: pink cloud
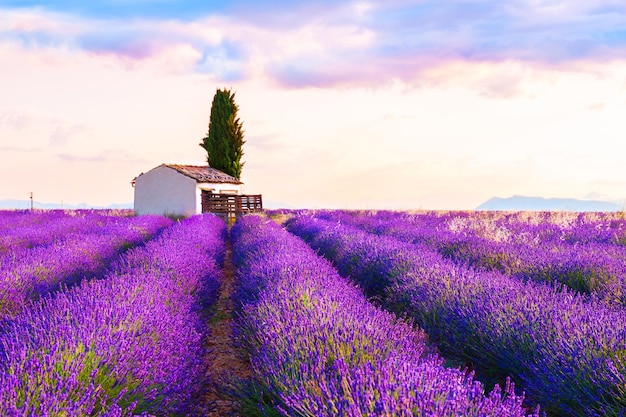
15	119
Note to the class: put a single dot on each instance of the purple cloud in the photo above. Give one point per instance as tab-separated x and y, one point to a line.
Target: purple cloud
63	134
313	44
110	156
15	120
19	149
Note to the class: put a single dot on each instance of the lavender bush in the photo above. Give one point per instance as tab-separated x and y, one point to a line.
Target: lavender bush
319	348
25	229
28	274
126	344
535	251
567	351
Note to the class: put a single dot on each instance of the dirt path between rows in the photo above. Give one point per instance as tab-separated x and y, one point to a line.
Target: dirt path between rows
225	365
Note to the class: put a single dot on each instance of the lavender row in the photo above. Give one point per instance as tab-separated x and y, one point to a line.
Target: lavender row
318	347
535	229
14	219
608	228
538	227
566	351
28	274
530	228
28	229
588	267
21	219
514	227
125	345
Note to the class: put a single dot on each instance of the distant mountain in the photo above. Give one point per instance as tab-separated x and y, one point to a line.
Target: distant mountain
522	203
25	204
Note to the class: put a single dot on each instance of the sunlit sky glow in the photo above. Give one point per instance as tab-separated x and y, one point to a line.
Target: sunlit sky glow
365	104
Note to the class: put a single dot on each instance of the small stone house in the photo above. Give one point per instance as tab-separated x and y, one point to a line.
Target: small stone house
178	190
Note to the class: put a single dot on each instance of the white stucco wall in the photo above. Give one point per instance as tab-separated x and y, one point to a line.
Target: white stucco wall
165	191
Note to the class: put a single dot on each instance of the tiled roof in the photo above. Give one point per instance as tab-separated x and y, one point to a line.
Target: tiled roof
204	173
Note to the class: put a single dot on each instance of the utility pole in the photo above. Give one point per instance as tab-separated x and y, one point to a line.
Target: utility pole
31	201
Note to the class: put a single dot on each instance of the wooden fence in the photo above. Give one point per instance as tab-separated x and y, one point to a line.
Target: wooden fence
230	205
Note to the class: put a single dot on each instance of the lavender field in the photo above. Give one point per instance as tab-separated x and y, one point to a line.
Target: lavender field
334	313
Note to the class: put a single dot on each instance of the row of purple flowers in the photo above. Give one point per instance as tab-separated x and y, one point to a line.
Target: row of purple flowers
127	344
26	229
609	228
566	350
29	273
587	266
513	227
318	347
531	228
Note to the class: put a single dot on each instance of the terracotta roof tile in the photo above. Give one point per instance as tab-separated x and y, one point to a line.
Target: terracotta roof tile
204	173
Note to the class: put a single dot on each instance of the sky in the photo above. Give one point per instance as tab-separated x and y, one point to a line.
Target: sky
394	104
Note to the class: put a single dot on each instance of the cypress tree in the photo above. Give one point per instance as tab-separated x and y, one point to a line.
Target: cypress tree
224	141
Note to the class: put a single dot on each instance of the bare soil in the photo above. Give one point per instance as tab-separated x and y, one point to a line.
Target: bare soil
225	364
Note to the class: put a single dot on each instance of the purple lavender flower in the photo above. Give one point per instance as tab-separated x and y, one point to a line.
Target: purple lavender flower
127	344
318	347
29	273
556	343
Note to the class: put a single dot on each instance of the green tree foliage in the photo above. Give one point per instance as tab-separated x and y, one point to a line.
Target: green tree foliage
224	141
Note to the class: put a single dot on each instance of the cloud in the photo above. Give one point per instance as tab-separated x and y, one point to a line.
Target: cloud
19	149
81	158
325	44
226	61
62	134
15	119
404	40
119	9
170	45
266	143
109	156
58	130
